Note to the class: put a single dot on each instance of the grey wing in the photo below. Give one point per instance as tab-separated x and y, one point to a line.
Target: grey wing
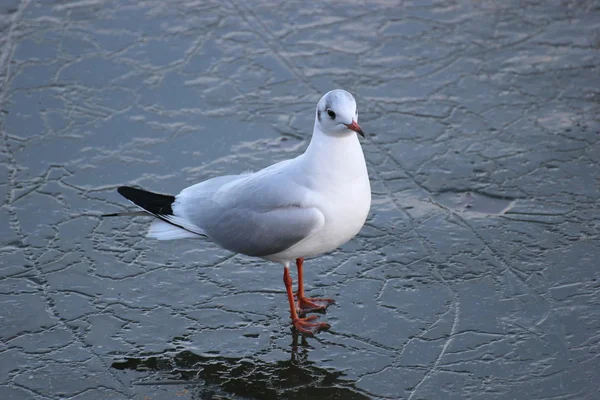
259	234
257	214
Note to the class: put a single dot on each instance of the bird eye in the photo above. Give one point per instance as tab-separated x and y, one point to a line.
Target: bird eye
331	114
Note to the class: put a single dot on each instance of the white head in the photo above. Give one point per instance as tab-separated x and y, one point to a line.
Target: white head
337	114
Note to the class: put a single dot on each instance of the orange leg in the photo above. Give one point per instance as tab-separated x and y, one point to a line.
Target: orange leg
307	304
302	324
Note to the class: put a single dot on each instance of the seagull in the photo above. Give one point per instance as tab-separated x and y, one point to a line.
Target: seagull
289	211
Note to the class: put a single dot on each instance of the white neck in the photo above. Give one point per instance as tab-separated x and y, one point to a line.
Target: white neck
339	156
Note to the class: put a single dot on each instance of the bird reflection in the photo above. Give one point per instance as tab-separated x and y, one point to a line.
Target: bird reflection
215	377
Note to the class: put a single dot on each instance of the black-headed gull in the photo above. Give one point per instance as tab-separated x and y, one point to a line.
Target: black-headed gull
289	211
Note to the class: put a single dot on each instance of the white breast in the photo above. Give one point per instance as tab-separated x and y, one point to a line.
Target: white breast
342	193
344	217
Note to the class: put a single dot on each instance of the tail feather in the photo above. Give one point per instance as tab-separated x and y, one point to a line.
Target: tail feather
162	230
159	205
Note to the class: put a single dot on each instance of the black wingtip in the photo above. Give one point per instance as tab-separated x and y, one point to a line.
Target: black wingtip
127	191
154	203
110	215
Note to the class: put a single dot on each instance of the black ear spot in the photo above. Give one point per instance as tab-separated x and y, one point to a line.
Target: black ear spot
331	113
319	115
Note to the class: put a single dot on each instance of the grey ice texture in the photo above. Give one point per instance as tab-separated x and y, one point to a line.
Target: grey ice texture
476	276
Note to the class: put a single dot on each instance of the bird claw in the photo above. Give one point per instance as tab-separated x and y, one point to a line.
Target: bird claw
309	328
307	304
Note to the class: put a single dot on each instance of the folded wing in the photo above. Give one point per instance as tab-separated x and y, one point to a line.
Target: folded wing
262	233
256	214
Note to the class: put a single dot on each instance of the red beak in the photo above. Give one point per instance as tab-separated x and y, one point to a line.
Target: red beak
354	127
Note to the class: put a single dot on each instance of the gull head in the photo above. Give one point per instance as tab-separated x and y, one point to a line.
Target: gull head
337	114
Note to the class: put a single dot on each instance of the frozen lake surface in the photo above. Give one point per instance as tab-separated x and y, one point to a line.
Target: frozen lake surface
476	276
